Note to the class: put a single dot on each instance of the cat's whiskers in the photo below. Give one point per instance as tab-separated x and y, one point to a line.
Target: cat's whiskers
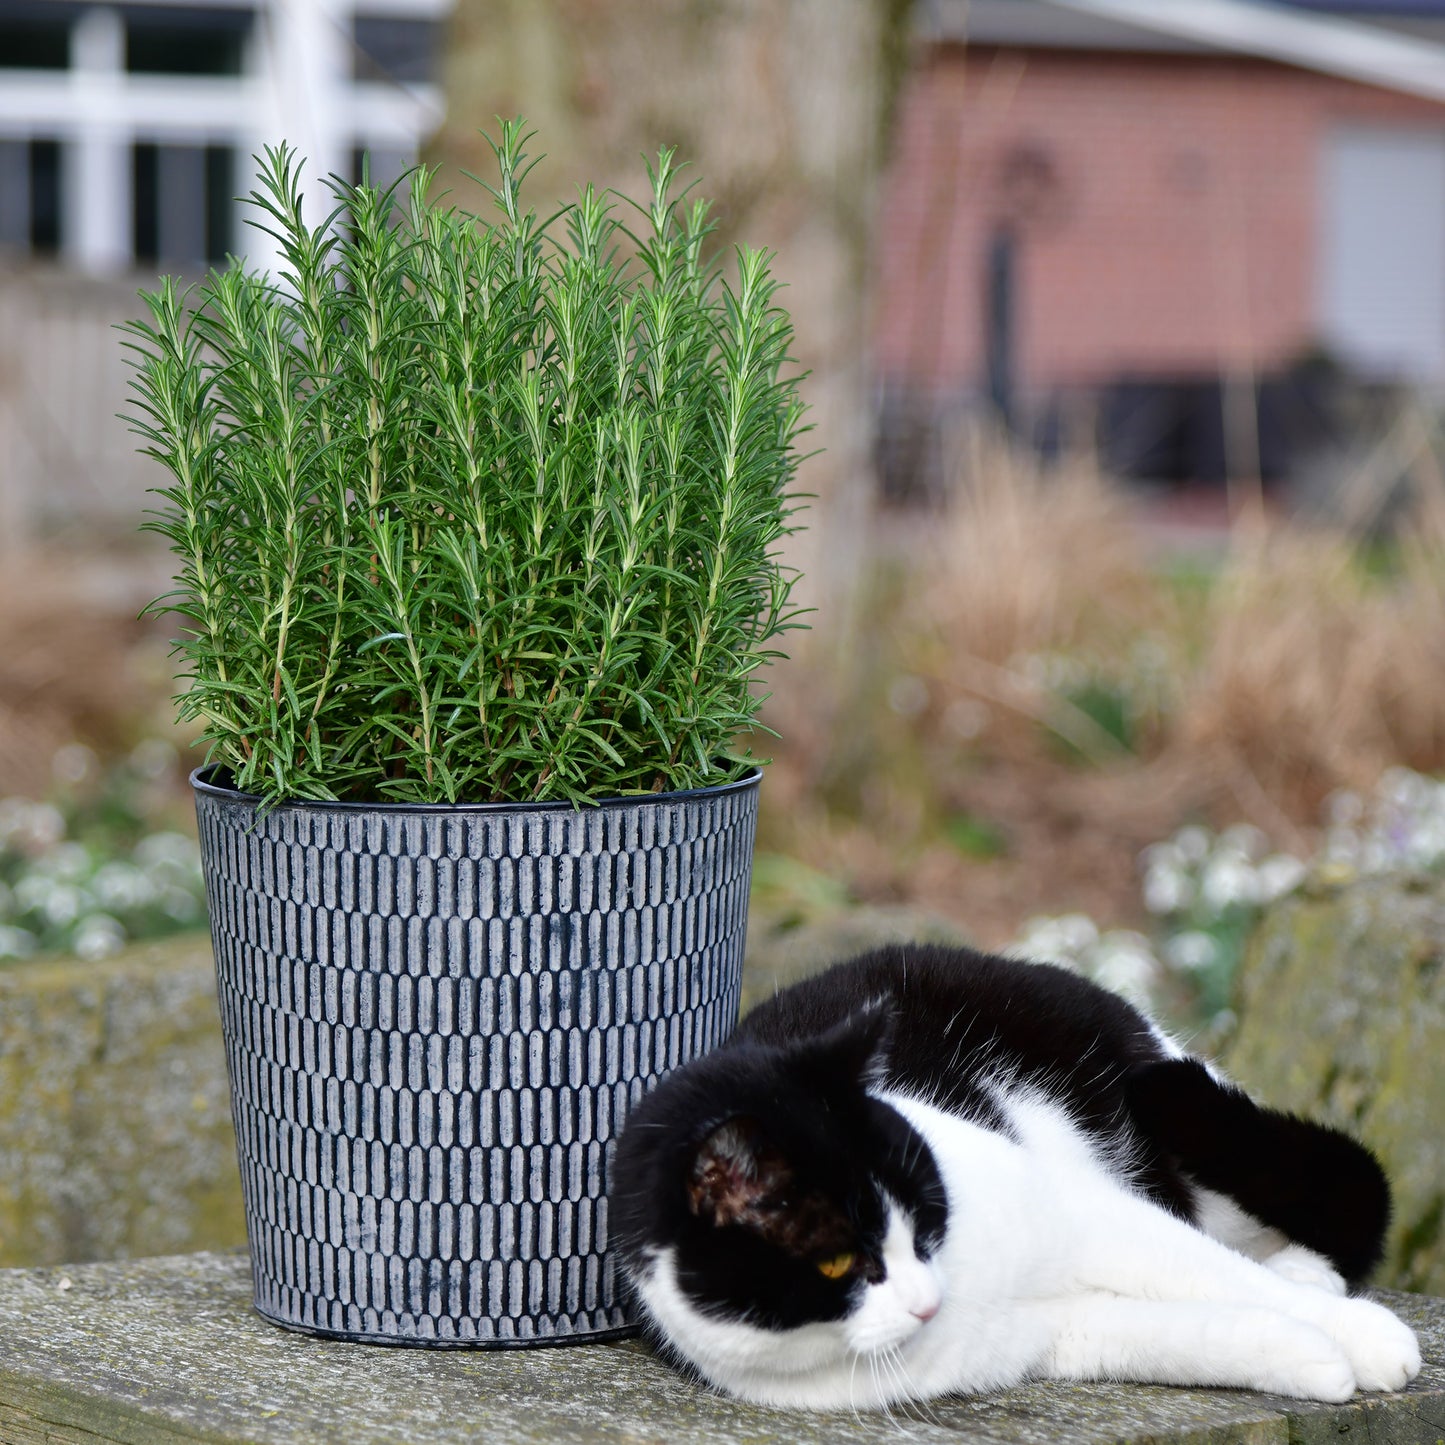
898	1389
915	1399
887	1358
912	1407
883	1367
880	1391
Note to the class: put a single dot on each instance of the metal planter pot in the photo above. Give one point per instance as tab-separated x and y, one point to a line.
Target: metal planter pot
436	1019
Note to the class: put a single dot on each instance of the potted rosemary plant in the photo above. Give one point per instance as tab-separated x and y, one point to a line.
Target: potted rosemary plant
477	532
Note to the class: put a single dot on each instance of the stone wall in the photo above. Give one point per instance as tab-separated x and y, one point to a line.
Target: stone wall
1342	1017
115	1130
168	1352
115	1122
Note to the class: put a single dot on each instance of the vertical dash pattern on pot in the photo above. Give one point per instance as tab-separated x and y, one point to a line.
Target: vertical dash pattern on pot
436	1021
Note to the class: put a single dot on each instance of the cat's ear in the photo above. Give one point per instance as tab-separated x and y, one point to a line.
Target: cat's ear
734	1170
858	1047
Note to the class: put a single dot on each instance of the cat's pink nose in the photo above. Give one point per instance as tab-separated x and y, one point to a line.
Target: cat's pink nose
926	1310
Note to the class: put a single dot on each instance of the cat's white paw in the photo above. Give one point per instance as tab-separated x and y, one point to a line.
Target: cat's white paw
1328	1379
1288	1357
1382	1351
1303	1266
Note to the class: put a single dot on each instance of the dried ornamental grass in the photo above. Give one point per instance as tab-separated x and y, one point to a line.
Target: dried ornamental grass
464	511
1315	675
1296	665
1031	558
1035	580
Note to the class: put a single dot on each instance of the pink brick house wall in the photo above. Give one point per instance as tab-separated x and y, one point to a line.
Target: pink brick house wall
1173	225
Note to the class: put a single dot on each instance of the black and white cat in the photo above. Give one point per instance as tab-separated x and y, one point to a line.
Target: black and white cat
930	1171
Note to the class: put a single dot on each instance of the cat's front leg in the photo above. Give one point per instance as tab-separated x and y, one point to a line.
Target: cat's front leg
1105	1337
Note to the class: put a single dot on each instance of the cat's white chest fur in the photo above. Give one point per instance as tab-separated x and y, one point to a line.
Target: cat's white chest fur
1049	1267
1008	1240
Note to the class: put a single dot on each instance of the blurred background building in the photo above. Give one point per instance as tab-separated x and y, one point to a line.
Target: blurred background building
126	130
1201	237
126	135
1206	240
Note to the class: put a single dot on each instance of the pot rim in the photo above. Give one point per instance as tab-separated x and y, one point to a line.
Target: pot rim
202	784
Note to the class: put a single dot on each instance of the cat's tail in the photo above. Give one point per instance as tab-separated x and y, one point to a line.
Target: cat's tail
1316	1185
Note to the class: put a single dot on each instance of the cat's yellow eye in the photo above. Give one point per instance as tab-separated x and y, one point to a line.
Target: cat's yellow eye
838	1266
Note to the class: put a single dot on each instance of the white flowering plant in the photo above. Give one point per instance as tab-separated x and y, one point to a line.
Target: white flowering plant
1206	891
85	880
1399	827
1120	959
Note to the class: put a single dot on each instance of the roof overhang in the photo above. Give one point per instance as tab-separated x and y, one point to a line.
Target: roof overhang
1331	44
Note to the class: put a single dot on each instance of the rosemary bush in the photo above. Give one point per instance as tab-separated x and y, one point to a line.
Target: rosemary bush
468	512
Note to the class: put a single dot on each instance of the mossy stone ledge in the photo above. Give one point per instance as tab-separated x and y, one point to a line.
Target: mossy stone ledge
115	1114
1341	1002
161	1351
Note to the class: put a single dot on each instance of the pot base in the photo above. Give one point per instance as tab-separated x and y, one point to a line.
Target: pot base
533	1342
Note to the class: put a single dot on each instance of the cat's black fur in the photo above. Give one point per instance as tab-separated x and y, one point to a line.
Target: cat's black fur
946	1025
960	1017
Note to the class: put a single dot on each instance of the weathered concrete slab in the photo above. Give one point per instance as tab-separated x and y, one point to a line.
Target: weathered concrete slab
163	1351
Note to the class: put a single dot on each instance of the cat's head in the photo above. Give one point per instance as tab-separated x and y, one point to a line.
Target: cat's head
774	1215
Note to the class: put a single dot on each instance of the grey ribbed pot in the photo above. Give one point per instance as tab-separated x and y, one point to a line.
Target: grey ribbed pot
436	1019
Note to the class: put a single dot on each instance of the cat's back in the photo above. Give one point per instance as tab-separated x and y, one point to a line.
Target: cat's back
966	1022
